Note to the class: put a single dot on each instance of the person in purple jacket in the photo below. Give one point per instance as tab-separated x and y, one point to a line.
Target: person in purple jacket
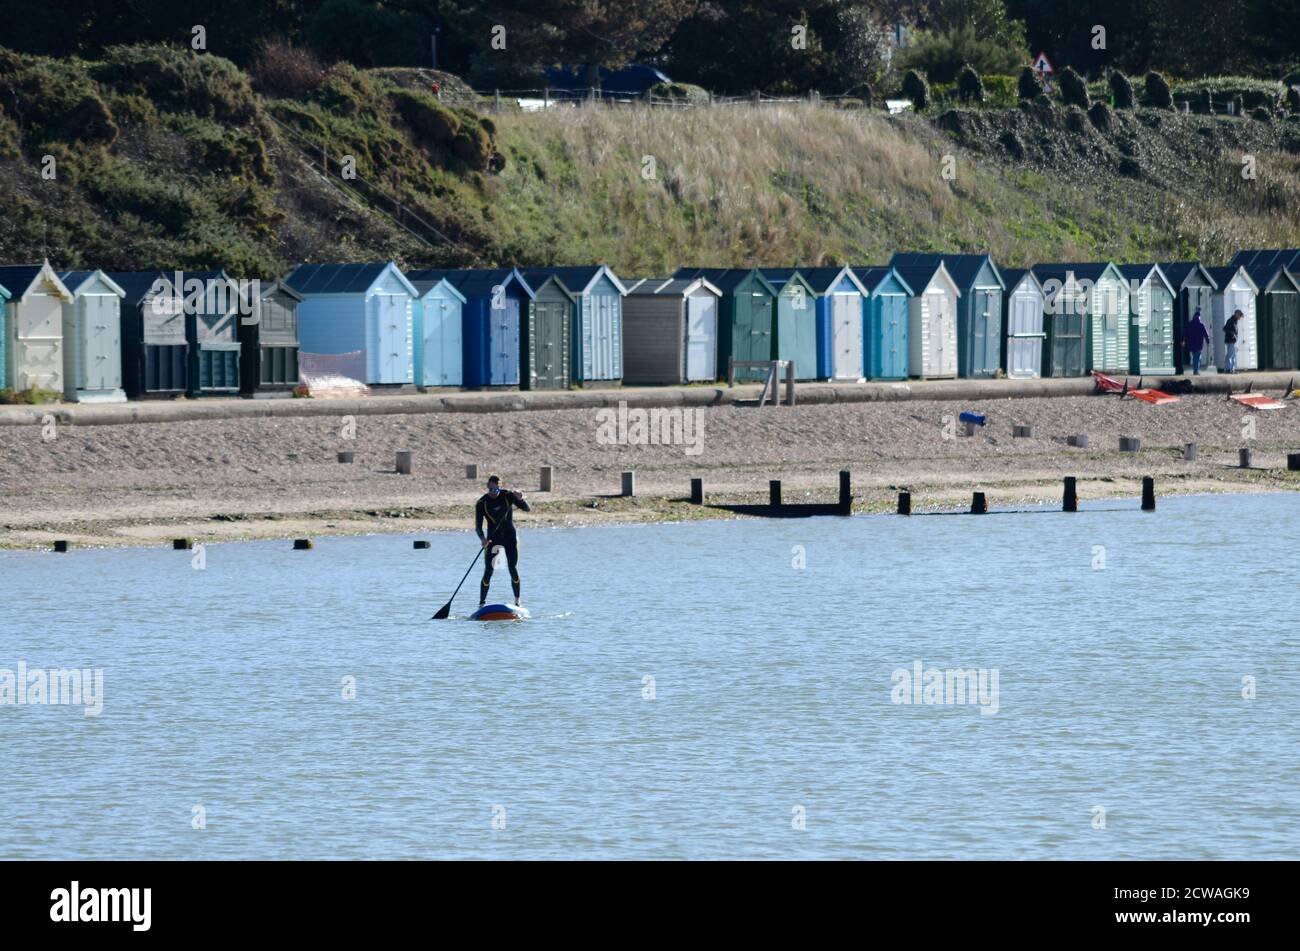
1195	338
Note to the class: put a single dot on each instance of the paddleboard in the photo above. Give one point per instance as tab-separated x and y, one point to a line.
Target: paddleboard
499	612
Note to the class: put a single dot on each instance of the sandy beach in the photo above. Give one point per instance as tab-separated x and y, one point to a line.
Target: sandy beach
217	480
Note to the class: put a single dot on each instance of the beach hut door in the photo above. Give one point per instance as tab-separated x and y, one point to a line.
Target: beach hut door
846	318
701	338
1024	337
99	342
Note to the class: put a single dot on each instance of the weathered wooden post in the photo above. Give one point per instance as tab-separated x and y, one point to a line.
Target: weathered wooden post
1293	461
420	545
697	491
1246	457
1022	432
846	492
629	484
979	504
1190	452
404	457
1129	444
545	479
346	457
61	546
303	544
1148	494
182	544
789	383
774	493
471	470
1079	441
904	503
1070	501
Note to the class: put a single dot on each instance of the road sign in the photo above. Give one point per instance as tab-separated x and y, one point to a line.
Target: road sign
1043	65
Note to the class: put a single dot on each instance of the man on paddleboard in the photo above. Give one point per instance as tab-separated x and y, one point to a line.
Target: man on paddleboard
496	508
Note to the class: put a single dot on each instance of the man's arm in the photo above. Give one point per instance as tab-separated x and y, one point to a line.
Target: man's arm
518	501
479	513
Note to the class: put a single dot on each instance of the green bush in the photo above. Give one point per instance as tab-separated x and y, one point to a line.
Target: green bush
1074	91
1121	89
917	89
969	86
180	81
1293	99
1000	91
427	115
1100	116
30	397
683	92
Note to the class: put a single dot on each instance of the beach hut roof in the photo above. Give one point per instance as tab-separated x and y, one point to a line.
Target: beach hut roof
1223	276
728	279
1265	258
74	280
580	280
964	268
872	276
1012	277
424	285
266	290
1143	272
342	278
921	276
18	279
138	285
538	278
779	277
670	287
1181	272
478	282
1087	271
822	280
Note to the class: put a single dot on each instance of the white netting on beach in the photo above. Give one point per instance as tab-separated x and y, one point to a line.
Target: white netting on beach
333	374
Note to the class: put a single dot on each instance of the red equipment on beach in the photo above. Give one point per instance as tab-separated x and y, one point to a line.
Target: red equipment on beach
1258	402
1108	384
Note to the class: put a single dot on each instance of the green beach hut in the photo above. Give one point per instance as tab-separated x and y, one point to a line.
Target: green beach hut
1195	289
1151	344
544	343
1087	317
795	336
746	323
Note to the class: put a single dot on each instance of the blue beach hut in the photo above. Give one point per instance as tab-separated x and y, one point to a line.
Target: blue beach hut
498	301
884	323
437	315
979	309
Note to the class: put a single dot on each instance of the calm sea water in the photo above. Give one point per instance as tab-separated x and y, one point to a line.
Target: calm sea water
769	729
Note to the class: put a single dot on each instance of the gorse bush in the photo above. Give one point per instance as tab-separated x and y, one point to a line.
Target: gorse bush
284	70
1121	89
1158	93
969	87
178	80
917	89
1030	87
1074	90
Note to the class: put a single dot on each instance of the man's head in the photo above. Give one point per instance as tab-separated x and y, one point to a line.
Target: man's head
494	484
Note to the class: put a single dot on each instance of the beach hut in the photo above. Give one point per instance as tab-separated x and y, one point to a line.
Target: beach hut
92	338
839	298
1237	291
670	331
498	303
1151	311
931	321
745	322
34	327
1023	311
154	347
268	340
437	315
4	323
1195	291
212	326
358	308
597	331
1087	317
884	323
795	332
979	309
1276	273
544	341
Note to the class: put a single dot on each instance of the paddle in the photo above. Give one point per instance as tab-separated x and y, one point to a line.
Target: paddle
446	608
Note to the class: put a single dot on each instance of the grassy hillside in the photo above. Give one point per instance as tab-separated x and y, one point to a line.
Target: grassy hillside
168	158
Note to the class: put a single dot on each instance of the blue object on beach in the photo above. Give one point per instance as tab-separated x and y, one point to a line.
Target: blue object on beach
979	419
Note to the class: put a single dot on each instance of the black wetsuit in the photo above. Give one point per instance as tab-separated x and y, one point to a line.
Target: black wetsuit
499	514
